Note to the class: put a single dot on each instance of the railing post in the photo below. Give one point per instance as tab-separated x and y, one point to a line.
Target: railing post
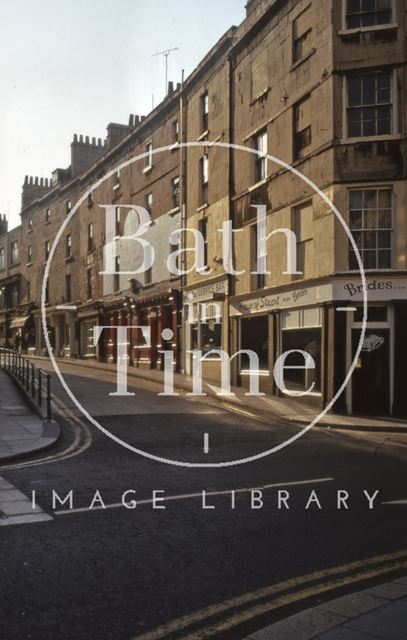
32	380
39	396
48	377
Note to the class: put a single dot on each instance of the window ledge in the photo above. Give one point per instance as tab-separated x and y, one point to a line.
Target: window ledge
148	169
29	230
202	207
259	184
173	211
307	56
29	264
116	186
260	96
385	137
203	135
175	146
47	222
392	26
69	259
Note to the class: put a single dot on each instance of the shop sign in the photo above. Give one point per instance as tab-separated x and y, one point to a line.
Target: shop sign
287	299
205	292
378	289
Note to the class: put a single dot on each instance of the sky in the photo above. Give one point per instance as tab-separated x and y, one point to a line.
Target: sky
73	67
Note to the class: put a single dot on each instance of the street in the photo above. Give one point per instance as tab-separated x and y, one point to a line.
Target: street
201	564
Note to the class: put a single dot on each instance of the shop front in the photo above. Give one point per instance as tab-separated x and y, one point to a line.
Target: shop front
377	386
286	322
206	325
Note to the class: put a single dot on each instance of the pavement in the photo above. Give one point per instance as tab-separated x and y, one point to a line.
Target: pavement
22	431
377	612
283	410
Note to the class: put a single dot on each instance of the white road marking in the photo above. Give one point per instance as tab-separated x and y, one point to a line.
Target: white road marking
189	496
16	508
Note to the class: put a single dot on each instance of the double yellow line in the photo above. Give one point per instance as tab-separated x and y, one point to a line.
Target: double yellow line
274	597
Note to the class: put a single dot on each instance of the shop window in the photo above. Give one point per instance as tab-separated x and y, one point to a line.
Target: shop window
302	128
254	337
260	144
14	296
88	346
204	178
371	223
296	377
204	112
367	13
175	192
374	314
210	336
203	230
2	258
14	253
259	75
302	31
370	105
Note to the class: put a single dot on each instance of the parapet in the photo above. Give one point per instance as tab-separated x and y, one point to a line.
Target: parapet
3	224
34	188
84	152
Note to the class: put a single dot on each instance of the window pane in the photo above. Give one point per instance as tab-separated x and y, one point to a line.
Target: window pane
384	219
353	264
384	239
356	199
369	90
370	219
370	240
355	219
370	199
369	259
384	199
384	260
353	6
354	92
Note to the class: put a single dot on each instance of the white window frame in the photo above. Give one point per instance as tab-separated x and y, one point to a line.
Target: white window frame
387	187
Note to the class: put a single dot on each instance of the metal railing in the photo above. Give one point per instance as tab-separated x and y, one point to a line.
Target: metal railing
35	382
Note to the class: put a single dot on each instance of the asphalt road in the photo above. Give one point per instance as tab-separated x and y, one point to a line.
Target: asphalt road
120	573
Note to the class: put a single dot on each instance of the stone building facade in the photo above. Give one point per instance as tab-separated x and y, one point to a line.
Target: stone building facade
320	86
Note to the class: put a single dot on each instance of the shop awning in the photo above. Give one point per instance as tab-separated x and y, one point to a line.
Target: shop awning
19	322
